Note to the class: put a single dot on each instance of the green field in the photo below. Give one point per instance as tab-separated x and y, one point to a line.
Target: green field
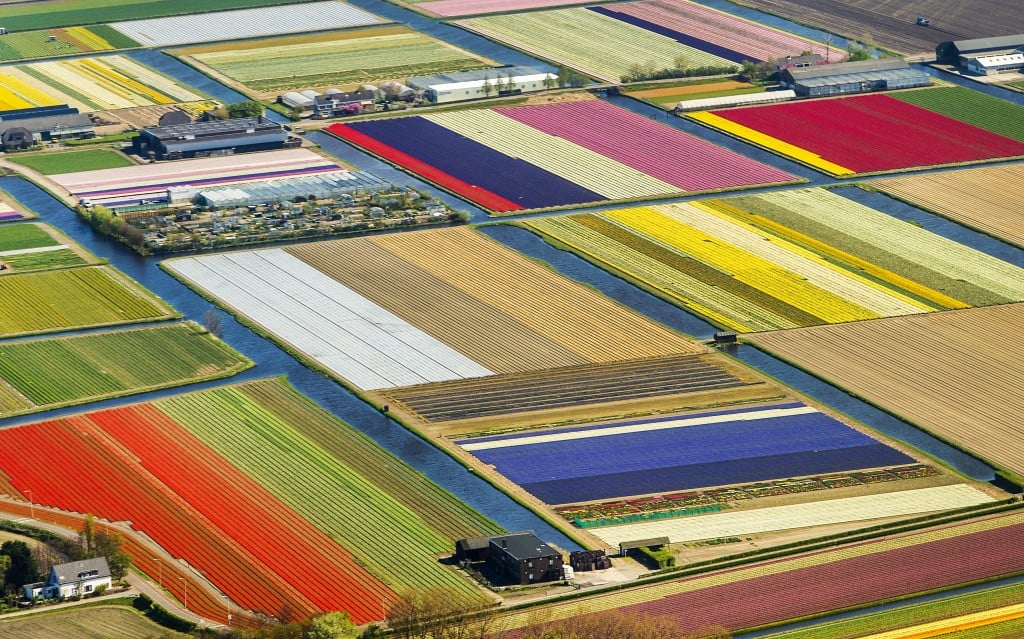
72	161
23	236
336	478
48	301
62	258
92	622
64	13
911	615
24	45
114	363
972	107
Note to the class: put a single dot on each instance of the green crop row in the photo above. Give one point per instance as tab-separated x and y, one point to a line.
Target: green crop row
335	493
45	260
23	236
114	363
973	107
88	160
47	301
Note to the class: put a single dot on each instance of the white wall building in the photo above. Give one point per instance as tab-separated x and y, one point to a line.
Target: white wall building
74	579
469	85
993	64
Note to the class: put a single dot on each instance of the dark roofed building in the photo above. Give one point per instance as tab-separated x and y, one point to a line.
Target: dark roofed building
177	116
215	137
799	62
473	549
524	558
16	137
332	104
854	77
52	127
956	52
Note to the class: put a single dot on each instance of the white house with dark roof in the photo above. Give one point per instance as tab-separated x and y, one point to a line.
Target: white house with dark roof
74	579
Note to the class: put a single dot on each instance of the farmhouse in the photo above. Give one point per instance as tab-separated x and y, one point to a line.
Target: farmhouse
473	85
75	579
206	139
48	127
524	558
959	52
995	64
333	102
853	77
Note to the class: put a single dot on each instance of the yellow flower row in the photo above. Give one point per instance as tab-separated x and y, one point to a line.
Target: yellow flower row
117	81
800	243
17	94
770	143
84	35
754	271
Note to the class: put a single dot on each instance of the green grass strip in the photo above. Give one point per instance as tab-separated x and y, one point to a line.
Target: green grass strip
15	237
45	260
72	161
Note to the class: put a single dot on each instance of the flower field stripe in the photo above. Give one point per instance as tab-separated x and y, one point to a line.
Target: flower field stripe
18	94
813	267
819	513
673	156
593	171
911	243
633	428
824	248
725	53
91	39
334	496
756	271
950	552
973	107
308	560
705	290
471	192
959	623
717	121
452	8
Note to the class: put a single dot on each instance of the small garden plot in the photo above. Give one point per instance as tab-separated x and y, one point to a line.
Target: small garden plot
245	23
96	84
680	453
48	301
333	59
874	133
555	155
98	365
988	199
87	160
787	259
590	42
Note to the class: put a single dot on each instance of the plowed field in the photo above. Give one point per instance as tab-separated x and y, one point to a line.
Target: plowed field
956	374
892	24
988	199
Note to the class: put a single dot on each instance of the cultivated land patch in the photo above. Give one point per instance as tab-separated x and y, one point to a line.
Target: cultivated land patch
852	576
245	23
92	622
86	160
342	58
7	212
37	247
278	503
873	133
786	259
555	155
950	373
892	25
453	8
988	199
61	42
482	318
48	301
110	364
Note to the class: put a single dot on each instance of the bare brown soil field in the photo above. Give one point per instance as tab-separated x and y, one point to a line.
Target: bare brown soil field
492	304
141	117
956	374
891	24
988	199
725	85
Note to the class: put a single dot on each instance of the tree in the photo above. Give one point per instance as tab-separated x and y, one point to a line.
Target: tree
550	81
334	625
613	624
441	613
22	569
213	323
488	87
245	109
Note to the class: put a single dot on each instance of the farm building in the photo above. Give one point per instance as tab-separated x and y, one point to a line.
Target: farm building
854	77
74	579
958	52
524	558
333	103
37	112
726	101
296	100
995	64
49	127
799	62
206	139
470	85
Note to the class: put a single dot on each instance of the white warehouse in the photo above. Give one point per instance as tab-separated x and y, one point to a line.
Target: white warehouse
470	85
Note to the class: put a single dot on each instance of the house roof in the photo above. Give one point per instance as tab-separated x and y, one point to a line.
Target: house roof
846	68
66	122
522	546
212	128
476	78
999	42
77	571
1012	59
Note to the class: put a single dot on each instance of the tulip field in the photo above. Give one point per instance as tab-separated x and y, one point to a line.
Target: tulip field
872	133
685	452
914	367
988	199
453	8
48	301
71	40
855	575
94	366
787	259
554	155
93	84
7	212
333	59
192	473
973	107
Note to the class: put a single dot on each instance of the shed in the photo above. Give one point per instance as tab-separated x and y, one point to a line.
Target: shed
957	52
995	64
473	549
654	542
854	77
470	85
